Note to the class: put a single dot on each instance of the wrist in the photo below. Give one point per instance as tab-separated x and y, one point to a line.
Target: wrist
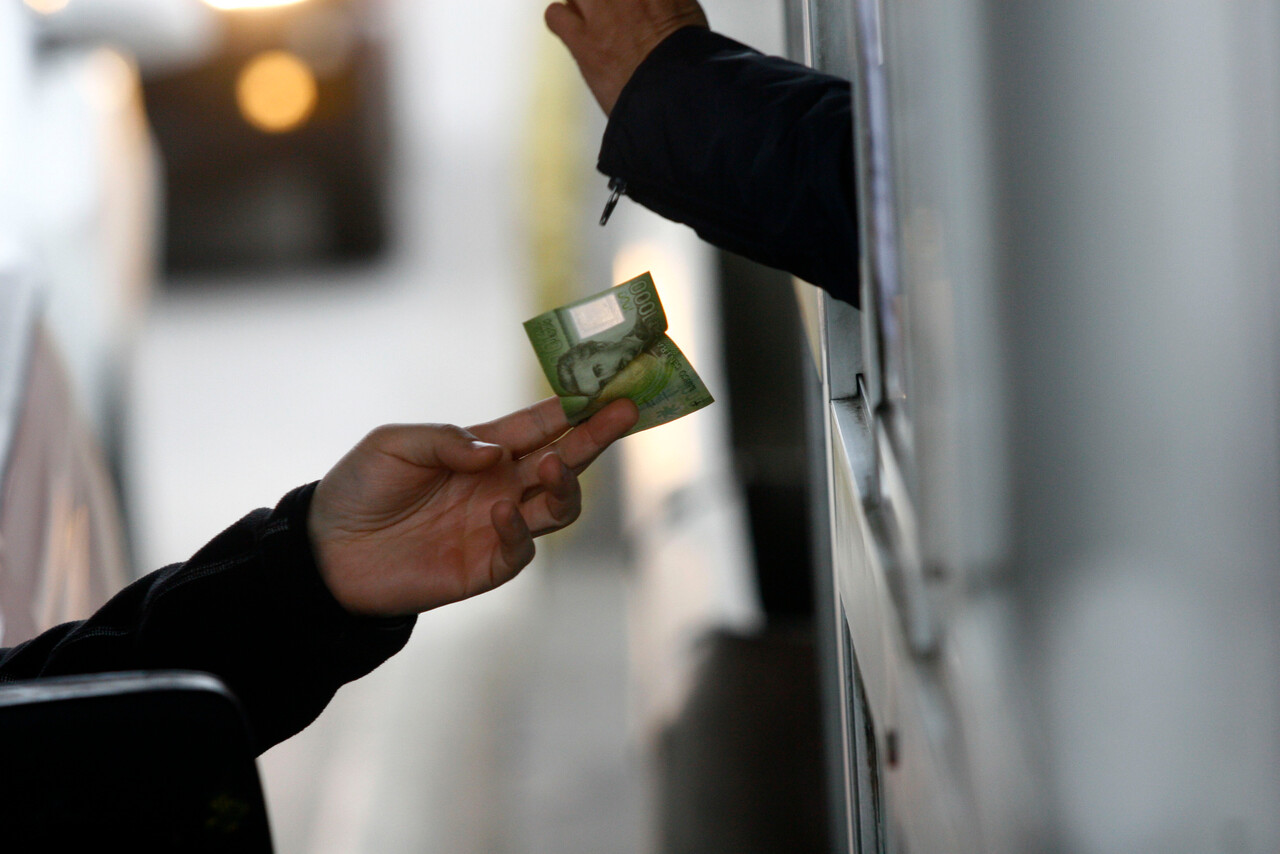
614	75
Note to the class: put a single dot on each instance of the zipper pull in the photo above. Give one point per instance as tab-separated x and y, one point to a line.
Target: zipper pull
617	187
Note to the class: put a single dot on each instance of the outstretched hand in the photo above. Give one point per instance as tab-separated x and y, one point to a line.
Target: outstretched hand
610	38
418	516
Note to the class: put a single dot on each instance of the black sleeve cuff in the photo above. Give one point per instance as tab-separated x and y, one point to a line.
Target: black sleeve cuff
296	576
754	152
685	47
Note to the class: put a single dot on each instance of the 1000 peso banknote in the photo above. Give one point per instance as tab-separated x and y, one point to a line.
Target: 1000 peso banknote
614	344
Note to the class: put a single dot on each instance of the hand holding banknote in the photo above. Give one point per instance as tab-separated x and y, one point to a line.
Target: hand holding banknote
613	345
420	515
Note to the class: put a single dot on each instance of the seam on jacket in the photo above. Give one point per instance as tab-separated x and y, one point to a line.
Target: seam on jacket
183	578
203	572
76	637
95	632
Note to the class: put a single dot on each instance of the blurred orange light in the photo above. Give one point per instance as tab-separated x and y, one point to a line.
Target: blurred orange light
110	80
47	7
229	5
276	91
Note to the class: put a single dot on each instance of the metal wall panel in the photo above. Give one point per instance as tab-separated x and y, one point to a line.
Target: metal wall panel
1070	391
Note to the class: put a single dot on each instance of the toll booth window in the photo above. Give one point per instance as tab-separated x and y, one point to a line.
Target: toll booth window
830	28
868	350
866	826
820	34
883	293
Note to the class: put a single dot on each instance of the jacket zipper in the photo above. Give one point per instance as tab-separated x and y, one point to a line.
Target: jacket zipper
617	188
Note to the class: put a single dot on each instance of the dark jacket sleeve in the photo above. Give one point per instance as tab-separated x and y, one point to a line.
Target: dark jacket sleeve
754	152
249	607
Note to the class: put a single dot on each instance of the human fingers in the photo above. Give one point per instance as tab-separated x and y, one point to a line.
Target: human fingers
580	446
550	502
515	542
444	446
681	12
565	20
558	500
526	430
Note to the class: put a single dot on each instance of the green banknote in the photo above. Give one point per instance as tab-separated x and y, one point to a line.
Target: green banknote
614	344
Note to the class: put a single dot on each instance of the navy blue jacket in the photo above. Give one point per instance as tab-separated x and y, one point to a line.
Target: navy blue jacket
754	152
249	607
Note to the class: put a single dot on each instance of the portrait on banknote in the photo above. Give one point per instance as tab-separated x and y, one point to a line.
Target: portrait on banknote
612	345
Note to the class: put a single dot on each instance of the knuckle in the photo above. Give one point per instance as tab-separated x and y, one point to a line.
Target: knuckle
569	511
383	436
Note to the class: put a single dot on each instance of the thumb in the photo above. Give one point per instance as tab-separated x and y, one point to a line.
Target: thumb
564	21
439	446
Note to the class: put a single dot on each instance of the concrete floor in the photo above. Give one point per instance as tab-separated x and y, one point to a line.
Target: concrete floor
502	726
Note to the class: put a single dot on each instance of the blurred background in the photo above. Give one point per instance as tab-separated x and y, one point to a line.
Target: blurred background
263	227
